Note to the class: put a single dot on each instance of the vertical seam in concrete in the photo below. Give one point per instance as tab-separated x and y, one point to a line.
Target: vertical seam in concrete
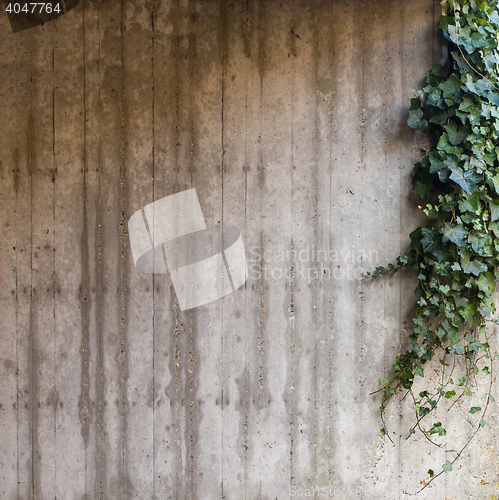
189	373
54	170
85	277
260	347
291	389
153	276
401	204
246	381
123	238
33	386
31	342
262	311
330	301
223	19
316	226
360	286
16	157
100	442
175	51
433	32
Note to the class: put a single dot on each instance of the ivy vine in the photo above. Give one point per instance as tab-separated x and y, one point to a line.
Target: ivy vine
456	252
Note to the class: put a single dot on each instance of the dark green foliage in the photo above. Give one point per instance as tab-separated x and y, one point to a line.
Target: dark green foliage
456	253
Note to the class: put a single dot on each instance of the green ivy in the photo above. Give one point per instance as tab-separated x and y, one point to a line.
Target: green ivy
456	252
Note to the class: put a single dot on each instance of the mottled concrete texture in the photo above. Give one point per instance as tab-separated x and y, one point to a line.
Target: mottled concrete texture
288	117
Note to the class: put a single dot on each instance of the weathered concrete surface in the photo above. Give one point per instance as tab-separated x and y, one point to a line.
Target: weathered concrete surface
289	120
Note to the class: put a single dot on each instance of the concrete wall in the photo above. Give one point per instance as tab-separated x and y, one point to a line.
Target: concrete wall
288	117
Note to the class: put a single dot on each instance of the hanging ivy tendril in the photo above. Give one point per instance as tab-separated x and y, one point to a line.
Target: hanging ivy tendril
456	252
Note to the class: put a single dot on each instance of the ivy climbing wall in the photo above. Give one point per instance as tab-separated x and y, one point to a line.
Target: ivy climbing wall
289	120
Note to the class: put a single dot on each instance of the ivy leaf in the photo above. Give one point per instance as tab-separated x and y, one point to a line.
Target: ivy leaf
443	175
438	429
439	70
416	119
494	17
480	242
429	240
495	182
423	188
456	134
419	350
486	283
465	38
445	145
423	182
482	283
434	98
385	381
487	306
481	86
476	346
415	237
435	164
454	340
441	255
490	158
478	86
455	233
466	180
477	162
451	85
494	227
452	162
474	267
468	103
447	467
475	409
494	210
470	266
470	203
493	97
446	23
440	117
